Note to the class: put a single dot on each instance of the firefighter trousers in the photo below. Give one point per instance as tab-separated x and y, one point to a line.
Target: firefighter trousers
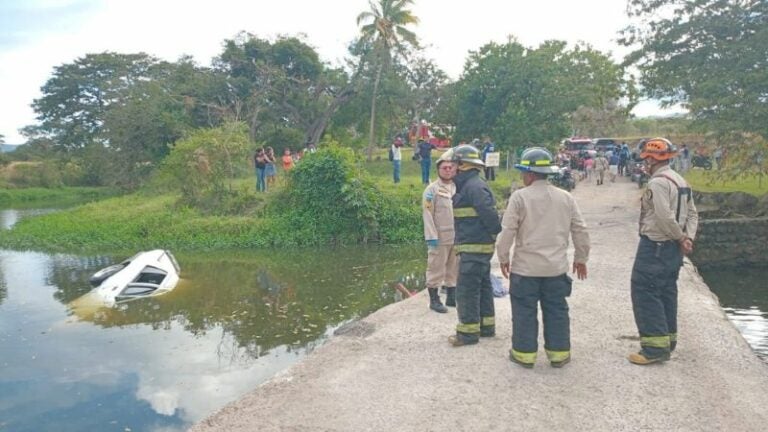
525	293
474	297
654	295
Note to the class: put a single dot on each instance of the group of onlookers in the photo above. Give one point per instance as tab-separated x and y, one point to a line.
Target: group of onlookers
265	163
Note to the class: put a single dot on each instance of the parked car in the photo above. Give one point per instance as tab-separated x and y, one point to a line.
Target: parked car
576	145
603	144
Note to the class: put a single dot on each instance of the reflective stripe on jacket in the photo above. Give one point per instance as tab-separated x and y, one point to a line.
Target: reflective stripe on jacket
475	216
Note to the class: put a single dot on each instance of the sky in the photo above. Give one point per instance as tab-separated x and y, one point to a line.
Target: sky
38	35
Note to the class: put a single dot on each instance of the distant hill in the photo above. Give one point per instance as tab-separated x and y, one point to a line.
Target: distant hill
7	148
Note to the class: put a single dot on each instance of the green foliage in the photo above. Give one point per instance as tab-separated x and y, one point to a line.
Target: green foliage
77	97
708	55
204	165
52	197
525	96
329	199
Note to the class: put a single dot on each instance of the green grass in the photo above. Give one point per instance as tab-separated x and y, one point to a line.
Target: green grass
52	197
714	181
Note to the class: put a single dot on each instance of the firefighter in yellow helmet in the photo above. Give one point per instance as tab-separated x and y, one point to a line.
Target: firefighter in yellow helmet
539	221
476	224
668	223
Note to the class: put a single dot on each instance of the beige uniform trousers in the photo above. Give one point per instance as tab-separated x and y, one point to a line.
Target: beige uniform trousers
442	266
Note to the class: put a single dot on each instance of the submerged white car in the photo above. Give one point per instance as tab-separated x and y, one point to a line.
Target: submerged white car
145	274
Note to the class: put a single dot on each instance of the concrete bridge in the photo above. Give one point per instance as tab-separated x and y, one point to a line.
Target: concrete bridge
394	370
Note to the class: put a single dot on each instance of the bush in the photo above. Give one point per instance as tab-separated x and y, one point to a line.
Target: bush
329	199
205	165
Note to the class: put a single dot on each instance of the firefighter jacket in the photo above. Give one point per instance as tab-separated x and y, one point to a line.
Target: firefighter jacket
539	220
437	211
474	213
667	211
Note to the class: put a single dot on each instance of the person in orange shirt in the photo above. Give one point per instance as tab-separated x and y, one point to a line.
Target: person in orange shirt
287	160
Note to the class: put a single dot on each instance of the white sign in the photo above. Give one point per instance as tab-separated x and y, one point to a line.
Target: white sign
492	159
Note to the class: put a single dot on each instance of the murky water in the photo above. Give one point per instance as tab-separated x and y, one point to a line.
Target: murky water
161	364
743	294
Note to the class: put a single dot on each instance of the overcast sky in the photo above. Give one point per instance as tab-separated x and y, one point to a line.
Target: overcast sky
37	35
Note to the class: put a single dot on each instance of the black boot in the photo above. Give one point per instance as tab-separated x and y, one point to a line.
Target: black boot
434	301
450	298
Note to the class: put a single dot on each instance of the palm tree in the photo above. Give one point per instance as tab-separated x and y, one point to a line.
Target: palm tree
384	27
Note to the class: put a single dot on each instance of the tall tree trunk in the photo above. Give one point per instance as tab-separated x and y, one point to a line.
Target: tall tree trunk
373	112
315	130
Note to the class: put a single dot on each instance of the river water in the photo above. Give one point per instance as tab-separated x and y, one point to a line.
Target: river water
234	321
160	364
743	294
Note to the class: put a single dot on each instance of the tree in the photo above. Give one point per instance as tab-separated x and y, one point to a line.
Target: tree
77	97
426	82
281	88
384	26
526	96
2	139
708	55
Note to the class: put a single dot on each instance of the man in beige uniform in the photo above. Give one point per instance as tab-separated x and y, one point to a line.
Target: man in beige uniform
601	166
442	261
668	223
539	220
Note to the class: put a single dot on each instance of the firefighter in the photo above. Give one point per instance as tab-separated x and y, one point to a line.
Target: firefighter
476	224
668	223
437	212
539	220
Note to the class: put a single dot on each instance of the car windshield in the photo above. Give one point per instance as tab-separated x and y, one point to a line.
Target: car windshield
579	146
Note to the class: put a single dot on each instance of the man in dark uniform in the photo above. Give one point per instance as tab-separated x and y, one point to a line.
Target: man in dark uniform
668	223
477	224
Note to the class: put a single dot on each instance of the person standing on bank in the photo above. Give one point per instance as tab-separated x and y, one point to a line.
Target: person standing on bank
476	223
397	159
668	224
424	149
437	211
488	147
539	220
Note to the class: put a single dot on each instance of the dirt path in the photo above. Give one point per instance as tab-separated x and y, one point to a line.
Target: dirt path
394	371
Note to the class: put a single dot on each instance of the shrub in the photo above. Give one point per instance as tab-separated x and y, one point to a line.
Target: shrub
204	166
330	199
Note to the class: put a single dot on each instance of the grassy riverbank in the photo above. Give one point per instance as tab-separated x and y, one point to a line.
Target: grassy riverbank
156	220
713	181
54	197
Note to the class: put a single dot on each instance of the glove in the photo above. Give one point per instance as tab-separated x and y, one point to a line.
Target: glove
432	244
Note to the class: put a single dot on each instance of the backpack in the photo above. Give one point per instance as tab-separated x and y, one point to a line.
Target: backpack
391	154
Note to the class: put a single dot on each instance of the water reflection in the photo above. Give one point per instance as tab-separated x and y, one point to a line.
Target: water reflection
743	296
233	321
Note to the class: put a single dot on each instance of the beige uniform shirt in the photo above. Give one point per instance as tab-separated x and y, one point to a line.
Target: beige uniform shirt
659	219
437	212
601	164
539	220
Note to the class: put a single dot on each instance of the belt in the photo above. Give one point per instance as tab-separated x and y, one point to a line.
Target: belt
645	237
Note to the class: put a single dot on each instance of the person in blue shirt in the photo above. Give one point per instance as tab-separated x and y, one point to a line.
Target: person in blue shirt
424	150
